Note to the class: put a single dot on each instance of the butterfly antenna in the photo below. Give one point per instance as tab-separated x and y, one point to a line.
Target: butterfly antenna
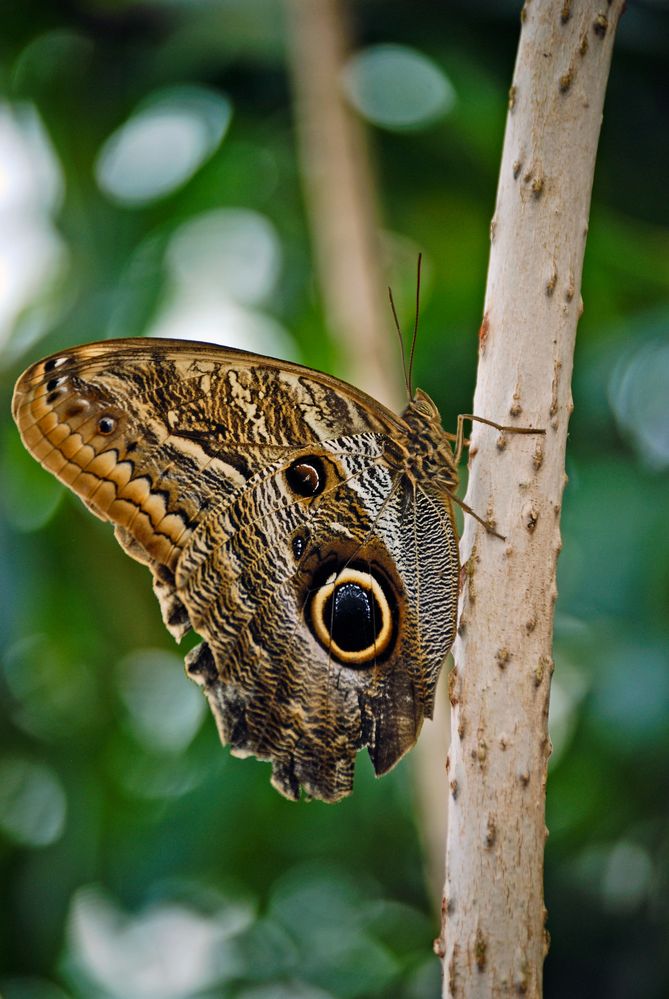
407	377
415	325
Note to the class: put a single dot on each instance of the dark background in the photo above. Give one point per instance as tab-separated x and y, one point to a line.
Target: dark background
139	860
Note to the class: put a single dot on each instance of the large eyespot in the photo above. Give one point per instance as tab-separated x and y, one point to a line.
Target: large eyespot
351	617
306	476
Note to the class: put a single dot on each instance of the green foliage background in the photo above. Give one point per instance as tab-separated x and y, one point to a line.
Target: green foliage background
138	863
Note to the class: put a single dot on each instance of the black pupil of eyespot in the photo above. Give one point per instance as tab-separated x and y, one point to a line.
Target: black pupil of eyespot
352	617
306	476
105	425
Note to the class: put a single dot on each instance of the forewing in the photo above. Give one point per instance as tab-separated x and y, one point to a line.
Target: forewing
154	434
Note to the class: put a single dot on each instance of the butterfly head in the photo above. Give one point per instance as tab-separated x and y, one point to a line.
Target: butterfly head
430	453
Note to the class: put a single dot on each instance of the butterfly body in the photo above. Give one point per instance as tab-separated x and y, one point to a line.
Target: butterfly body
303	530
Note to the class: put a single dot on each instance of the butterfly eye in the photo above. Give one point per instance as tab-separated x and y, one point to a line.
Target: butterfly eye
352	618
306	476
106	425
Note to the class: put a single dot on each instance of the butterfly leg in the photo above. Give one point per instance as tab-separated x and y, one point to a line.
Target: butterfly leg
461	441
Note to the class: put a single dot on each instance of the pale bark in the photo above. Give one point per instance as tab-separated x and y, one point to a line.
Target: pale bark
493	939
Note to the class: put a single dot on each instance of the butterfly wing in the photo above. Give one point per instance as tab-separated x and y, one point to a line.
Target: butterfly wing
257	582
153	434
261	496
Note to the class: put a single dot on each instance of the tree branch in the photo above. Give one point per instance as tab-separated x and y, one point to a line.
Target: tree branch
493	940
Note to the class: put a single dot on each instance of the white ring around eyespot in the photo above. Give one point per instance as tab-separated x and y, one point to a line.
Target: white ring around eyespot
367	581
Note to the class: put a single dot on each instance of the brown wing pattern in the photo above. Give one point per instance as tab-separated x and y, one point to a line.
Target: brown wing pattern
279	513
153	434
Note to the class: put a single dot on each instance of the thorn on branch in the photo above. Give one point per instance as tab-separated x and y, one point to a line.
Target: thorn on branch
502	656
484	329
480	949
566	81
600	25
545	664
481	751
530	516
452	683
515	409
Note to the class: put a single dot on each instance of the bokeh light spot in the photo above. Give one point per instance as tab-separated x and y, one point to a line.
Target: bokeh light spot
234	250
162	144
221	265
397	87
627	877
168	951
640	400
33	256
164	709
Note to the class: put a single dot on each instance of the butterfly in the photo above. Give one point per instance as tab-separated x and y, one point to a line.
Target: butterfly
303	530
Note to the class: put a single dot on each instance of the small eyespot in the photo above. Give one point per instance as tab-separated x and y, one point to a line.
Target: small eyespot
56	362
55	395
106	425
299	543
53	383
306	476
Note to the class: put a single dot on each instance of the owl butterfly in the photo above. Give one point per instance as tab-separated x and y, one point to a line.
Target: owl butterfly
303	530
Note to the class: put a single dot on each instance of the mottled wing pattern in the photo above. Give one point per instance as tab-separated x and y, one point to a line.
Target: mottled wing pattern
152	434
275	511
277	691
